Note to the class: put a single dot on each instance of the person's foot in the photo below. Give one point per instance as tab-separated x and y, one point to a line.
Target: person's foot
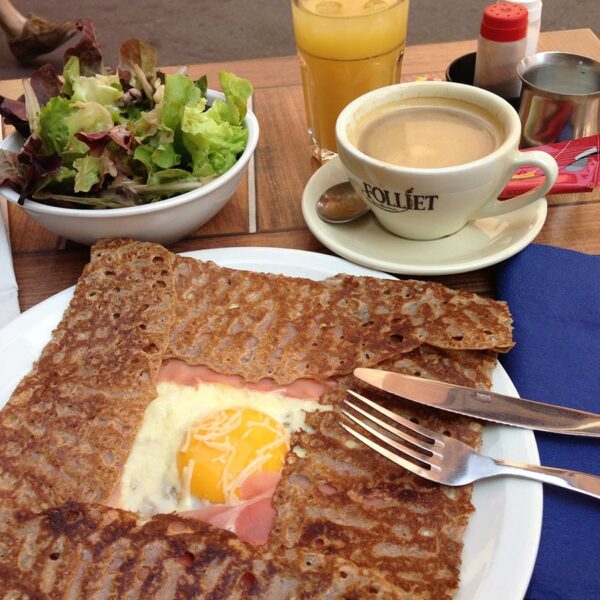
39	36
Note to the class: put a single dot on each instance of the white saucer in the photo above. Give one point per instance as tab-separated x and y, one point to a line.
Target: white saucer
479	244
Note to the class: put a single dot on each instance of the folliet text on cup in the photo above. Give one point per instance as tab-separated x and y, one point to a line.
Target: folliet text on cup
397	201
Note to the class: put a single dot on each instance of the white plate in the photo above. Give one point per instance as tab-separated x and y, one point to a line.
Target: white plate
478	244
502	536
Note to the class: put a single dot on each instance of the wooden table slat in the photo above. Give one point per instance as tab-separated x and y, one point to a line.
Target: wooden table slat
573	226
282	158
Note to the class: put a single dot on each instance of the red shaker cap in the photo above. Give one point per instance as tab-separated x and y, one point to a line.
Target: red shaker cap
504	22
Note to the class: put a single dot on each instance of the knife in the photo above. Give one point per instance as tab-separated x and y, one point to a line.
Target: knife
483	404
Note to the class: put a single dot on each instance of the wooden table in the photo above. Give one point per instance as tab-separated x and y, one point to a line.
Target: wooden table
265	211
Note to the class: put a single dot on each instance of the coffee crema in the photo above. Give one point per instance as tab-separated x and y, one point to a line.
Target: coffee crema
428	133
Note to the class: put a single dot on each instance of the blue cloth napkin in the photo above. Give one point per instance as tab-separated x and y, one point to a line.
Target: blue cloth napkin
554	297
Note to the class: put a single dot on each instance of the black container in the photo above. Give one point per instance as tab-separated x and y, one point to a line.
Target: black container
462	70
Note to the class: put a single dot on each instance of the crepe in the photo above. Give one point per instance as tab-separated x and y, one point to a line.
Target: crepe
84	551
68	428
262	325
64	433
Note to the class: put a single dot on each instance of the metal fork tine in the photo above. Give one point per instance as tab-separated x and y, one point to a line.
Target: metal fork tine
427	446
420	456
435	437
410	466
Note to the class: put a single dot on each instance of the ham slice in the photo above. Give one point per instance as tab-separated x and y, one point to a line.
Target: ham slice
258	484
115	498
251	520
177	371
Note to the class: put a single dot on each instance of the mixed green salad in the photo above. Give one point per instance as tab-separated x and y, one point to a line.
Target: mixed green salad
103	139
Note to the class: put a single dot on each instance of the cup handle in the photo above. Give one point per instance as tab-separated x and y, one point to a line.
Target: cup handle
539	159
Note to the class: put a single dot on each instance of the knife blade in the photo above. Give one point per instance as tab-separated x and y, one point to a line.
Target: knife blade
483	404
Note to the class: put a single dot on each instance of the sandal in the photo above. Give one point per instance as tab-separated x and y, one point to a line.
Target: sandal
40	36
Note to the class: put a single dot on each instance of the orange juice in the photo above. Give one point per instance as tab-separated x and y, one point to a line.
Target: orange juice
346	48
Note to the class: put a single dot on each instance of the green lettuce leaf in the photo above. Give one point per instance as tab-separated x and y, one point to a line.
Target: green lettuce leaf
52	125
89	117
237	92
64	174
103	89
216	137
61	119
167	176
143	154
165	156
180	91
91	170
70	75
87	173
202	84
213	143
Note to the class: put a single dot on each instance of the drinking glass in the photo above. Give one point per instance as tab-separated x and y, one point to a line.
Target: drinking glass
346	48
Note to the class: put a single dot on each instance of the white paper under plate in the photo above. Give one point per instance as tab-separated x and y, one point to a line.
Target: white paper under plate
502	536
478	244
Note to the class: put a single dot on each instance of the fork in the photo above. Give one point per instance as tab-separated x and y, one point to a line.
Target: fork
443	459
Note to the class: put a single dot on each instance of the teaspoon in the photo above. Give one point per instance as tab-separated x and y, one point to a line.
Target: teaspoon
341	204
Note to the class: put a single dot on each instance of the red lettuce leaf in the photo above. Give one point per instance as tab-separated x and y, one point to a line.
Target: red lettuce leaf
36	165
137	67
14	114
87	50
11	171
99	140
136	52
45	84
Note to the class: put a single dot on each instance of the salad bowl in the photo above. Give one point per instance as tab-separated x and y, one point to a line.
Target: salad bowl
164	222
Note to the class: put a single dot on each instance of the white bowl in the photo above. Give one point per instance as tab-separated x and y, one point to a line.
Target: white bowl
164	222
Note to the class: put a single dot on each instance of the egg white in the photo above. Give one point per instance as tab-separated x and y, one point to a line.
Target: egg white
150	482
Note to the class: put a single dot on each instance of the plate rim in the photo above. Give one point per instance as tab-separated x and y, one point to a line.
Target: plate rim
319	228
59	302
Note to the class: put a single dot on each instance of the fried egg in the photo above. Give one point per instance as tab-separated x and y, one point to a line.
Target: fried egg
198	445
227	447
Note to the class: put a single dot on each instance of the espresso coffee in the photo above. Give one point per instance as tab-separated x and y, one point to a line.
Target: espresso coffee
428	133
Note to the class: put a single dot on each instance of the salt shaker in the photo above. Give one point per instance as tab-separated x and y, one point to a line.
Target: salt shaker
534	17
501	46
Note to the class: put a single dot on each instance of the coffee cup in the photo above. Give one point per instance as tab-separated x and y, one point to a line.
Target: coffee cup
428	157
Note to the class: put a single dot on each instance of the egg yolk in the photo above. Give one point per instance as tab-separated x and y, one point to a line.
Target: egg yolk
223	449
